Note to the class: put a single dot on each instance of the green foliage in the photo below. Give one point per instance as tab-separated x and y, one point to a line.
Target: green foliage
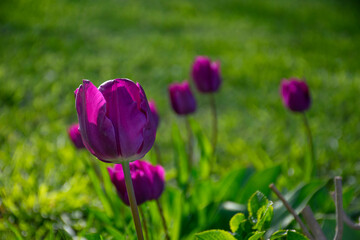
48	190
254	226
287	235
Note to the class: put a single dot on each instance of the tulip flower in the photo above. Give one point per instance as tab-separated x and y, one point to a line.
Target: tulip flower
183	103
207	79
148	181
115	120
206	75
182	99
154	112
75	136
295	95
116	125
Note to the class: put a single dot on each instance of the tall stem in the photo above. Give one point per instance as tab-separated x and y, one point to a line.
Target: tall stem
311	143
132	200
190	144
214	129
158	154
144	223
163	219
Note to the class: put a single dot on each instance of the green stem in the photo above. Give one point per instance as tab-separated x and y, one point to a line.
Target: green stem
144	223
311	143
158	154
190	144
214	128
163	219
132	200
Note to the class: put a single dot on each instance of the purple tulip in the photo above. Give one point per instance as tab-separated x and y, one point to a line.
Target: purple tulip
75	136
206	74
115	120
148	181
154	111
182	99
295	94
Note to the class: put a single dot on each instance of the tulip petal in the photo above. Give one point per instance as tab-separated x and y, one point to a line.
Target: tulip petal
123	103
96	129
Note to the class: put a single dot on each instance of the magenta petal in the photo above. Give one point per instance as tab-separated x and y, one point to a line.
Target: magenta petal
75	136
96	129
123	103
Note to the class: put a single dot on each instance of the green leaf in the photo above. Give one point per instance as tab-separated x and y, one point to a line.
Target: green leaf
259	181
180	156
264	217
293	235
235	221
214	235
257	235
288	235
233	181
205	149
279	234
256	201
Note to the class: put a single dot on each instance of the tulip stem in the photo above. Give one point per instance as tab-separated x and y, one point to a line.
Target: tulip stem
163	219
311	144
158	154
144	223
190	144
214	128
132	200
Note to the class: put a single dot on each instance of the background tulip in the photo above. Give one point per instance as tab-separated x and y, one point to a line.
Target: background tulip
154	112
206	75
115	120
182	99
75	136
148	181
295	94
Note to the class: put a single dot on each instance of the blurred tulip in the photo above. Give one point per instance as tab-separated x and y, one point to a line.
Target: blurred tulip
75	136
206	74
154	111
182	99
115	121
295	94
148	181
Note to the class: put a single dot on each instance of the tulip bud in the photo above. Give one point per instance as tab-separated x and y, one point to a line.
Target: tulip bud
148	181
206	75
154	112
75	136
182	99
295	95
115	120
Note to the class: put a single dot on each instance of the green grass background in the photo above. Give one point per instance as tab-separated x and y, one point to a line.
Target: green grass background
48	47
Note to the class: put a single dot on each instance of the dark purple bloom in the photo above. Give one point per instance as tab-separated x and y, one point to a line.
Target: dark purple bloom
295	94
115	120
148	181
154	111
182	99
75	136
206	74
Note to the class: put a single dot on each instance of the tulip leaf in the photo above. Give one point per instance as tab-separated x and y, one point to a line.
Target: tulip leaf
214	235
259	181
180	156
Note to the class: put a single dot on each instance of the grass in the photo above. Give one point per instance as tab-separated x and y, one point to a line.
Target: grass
46	48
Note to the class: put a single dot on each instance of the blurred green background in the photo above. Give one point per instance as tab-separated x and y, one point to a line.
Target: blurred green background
48	47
